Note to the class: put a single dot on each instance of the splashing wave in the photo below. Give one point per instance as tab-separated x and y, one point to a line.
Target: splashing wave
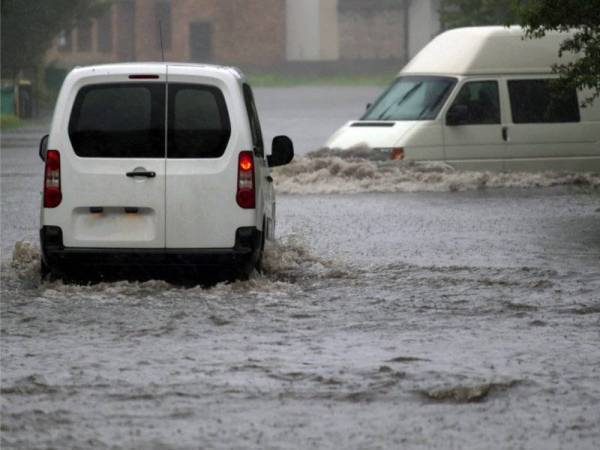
285	262
364	170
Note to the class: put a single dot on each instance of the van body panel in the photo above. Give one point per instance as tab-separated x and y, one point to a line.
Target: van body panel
354	135
554	140
488	50
482	142
200	213
423	142
104	185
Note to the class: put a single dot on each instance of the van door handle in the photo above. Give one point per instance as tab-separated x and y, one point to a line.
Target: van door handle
147	174
505	134
269	178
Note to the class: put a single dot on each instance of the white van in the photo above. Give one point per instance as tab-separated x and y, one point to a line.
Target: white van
482	98
151	165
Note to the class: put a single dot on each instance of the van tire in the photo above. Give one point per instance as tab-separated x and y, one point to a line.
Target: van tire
254	263
44	269
258	265
48	273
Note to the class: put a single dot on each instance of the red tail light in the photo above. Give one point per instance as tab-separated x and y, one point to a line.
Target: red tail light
246	195
52	192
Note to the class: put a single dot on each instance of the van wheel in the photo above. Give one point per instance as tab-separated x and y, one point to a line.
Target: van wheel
44	269
259	259
48	273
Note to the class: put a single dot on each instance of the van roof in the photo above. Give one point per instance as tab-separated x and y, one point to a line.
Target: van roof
148	67
488	50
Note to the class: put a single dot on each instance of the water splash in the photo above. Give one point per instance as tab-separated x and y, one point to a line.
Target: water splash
291	259
25	263
364	170
285	262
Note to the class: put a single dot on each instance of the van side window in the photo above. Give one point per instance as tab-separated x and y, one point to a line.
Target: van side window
540	101
257	139
482	102
198	121
119	121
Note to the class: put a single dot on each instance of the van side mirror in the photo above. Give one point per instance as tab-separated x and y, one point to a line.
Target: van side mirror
282	151
43	147
457	115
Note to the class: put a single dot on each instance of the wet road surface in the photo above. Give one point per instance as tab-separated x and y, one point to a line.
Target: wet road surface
457	316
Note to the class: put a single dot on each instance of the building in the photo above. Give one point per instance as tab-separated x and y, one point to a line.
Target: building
227	31
251	33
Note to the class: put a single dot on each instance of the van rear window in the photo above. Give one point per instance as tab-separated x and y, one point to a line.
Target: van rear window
119	121
127	120
199	124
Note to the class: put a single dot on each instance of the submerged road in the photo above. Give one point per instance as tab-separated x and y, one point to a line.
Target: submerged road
450	319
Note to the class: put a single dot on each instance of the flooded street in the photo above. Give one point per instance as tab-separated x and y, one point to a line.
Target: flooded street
401	307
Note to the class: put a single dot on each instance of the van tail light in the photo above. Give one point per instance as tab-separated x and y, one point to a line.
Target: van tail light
52	192
397	154
246	193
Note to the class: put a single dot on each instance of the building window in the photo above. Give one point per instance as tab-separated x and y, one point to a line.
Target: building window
542	101
200	41
370	6
65	41
105	32
84	36
125	23
163	19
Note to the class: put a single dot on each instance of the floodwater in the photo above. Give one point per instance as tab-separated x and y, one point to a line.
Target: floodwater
401	307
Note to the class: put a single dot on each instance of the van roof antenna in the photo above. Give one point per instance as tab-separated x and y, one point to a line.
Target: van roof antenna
162	47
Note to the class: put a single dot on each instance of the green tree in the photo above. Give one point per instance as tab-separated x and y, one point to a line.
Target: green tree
580	17
29	27
467	13
583	19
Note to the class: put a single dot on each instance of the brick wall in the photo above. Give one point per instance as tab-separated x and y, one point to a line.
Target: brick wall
250	32
239	32
185	12
372	34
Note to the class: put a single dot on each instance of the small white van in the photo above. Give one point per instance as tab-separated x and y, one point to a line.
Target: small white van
482	98
150	165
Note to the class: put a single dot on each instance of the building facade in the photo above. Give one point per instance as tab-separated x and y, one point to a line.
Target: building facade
250	33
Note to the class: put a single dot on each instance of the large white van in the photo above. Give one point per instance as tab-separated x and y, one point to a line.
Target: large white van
151	165
482	98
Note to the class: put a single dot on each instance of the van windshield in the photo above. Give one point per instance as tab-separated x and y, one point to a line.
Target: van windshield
412	98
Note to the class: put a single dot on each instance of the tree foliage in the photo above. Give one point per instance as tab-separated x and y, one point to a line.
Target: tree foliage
583	19
29	27
467	13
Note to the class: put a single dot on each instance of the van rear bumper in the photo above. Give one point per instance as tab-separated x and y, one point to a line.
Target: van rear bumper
57	256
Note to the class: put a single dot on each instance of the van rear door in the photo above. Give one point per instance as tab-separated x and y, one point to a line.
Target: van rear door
201	166
113	164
